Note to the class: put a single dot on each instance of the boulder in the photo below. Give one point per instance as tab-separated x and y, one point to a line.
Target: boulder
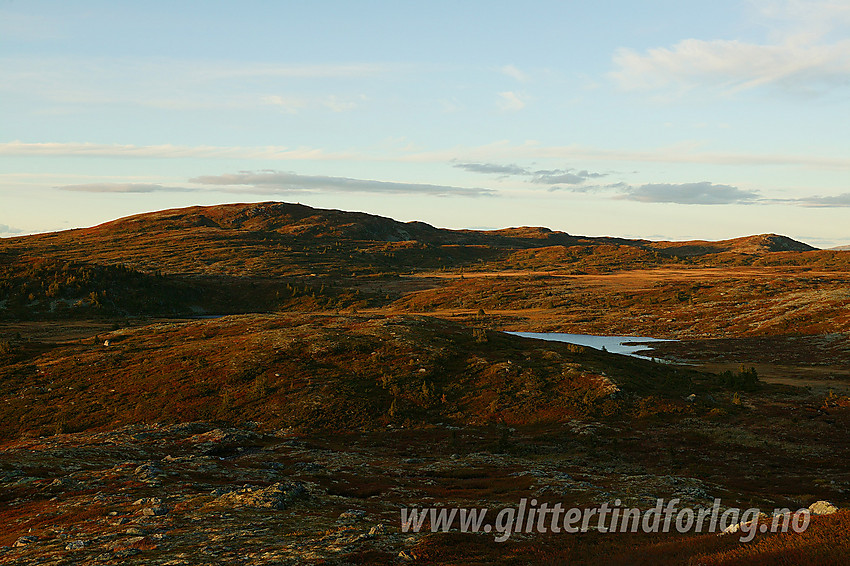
75	545
822	508
25	540
275	496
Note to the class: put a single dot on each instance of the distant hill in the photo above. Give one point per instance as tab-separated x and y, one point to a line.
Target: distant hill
305	221
747	245
169	238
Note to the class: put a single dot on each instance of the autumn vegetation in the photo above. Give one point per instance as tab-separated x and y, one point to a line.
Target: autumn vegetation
346	328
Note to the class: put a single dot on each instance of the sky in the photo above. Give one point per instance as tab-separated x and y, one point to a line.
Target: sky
654	119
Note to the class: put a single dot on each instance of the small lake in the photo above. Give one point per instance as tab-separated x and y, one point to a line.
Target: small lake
628	345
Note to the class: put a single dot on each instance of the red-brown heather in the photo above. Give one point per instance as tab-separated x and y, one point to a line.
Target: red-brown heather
154	366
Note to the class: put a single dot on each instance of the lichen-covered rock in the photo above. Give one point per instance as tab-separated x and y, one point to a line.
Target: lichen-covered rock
822	508
25	540
147	471
351	515
155	511
75	545
275	496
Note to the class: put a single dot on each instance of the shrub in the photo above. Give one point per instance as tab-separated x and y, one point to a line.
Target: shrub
746	379
226	401
260	387
833	401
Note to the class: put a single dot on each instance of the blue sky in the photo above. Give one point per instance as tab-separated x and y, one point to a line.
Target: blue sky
656	119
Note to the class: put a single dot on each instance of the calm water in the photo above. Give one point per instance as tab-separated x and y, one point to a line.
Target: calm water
617	344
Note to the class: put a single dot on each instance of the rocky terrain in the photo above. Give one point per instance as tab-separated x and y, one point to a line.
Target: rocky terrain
314	447
201	493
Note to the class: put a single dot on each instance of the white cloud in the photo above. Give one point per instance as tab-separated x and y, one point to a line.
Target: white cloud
733	65
510	101
293	105
514	73
288	105
804	20
808	52
338	105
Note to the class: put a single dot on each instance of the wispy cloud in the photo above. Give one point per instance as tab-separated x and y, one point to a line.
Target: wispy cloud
269	182
63	83
124	188
166	151
804	57
286	104
220	71
734	65
695	193
6	230
804	20
493	168
181	70
689	193
294	104
273	182
837	201
564	176
538	177
20	26
683	153
337	104
510	101
514	73
485	154
279	181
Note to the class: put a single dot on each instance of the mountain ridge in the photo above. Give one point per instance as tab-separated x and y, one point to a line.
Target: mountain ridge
301	220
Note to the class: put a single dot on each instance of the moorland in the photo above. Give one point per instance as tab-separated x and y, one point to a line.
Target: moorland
271	383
